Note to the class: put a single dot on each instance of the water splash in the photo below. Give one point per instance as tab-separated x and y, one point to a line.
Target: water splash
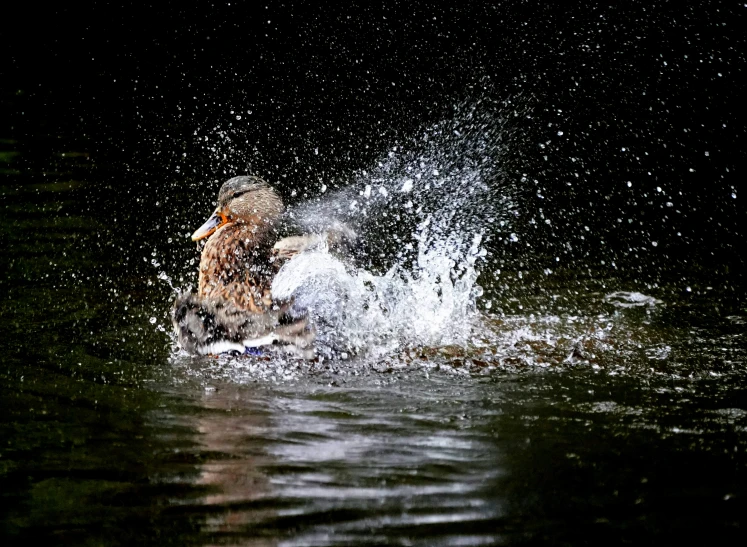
450	178
425	214
626	299
422	215
356	311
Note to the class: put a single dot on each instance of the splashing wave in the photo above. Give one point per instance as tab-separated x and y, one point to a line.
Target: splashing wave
356	311
422	215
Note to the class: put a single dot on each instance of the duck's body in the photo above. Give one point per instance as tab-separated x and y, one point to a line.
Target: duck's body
237	265
233	309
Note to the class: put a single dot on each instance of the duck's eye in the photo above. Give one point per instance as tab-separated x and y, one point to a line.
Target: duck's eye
239	193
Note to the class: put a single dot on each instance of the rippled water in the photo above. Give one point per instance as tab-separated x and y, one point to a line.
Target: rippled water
577	407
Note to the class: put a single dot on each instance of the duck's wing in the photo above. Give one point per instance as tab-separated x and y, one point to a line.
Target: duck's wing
338	237
288	247
206	327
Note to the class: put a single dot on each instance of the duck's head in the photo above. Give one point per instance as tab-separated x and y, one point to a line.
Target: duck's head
246	199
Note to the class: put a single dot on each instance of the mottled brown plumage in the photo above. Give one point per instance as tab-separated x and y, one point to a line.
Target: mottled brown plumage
237	265
233	306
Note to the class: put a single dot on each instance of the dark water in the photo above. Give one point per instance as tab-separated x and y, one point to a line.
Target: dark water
572	413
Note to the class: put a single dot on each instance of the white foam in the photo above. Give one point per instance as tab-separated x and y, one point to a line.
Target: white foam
625	299
356	311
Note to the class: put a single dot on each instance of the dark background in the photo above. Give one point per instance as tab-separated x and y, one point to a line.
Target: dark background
647	96
119	122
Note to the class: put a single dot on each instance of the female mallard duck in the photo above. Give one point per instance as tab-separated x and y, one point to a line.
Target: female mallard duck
233	309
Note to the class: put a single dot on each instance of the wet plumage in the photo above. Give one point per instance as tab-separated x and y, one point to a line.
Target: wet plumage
233	308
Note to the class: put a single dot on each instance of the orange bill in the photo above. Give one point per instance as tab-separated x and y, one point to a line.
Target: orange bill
216	220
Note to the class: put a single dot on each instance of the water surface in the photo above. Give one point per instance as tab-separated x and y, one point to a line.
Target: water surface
574	413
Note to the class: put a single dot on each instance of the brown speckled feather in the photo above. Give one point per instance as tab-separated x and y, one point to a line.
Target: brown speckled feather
237	266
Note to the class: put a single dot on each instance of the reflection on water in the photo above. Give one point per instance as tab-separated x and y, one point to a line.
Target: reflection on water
231	430
328	464
444	458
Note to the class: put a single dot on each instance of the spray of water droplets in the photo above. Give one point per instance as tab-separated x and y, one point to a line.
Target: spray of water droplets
425	215
422	215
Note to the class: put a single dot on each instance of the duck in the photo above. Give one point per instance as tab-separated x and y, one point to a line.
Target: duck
233	310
